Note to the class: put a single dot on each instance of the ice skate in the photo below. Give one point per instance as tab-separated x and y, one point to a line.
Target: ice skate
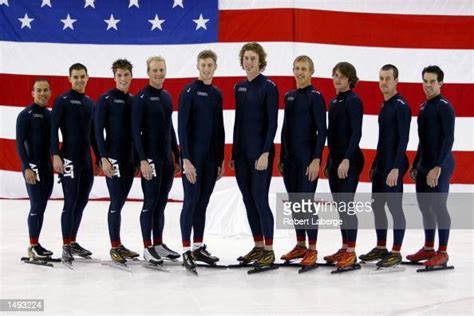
266	262
336	256
347	262
390	263
375	254
188	262
296	253
118	260
436	263
308	262
79	251
67	257
153	260
420	255
166	253
250	257
127	253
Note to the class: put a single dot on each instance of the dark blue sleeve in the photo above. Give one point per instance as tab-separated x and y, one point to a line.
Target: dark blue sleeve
56	115
99	122
184	115
22	129
220	130
235	139
271	106
446	116
138	109
93	139
319	117
355	111
283	138
403	126
174	143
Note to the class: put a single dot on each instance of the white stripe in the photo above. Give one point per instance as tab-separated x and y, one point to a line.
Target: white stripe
422	7
55	59
464	127
12	186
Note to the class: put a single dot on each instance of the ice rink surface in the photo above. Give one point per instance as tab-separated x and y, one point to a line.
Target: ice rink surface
93	289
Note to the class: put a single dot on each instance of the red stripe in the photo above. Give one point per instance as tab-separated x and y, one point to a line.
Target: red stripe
346	28
14	91
463	174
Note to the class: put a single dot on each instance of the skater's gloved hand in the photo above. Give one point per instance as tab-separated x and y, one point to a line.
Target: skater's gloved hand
312	171
326	172
189	171
262	162
58	164
30	176
343	169
146	170
231	165
107	168
392	177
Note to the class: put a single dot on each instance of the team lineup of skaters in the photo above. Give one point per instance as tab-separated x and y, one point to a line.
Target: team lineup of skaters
134	135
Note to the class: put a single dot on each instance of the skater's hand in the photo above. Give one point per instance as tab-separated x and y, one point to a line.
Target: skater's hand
392	177
146	170
371	174
231	165
30	176
413	174
326	172
343	169
281	168
433	176
107	168
262	162
189	171
220	170
312	171
58	164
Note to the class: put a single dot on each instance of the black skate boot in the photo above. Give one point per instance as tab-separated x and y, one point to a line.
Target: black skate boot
374	254
201	254
79	251
67	258
45	251
188	262
36	253
166	253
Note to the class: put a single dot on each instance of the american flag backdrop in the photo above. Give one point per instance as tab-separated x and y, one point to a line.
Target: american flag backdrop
42	38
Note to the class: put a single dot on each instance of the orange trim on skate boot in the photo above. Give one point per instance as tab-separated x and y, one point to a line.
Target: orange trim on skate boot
439	259
335	257
295	253
346	260
310	258
421	254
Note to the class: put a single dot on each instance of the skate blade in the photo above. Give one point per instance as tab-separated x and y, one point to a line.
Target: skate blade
68	264
47	259
193	271
436	268
290	263
395	268
308	268
413	263
116	265
212	266
368	263
87	259
239	265
262	269
39	263
155	267
353	267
